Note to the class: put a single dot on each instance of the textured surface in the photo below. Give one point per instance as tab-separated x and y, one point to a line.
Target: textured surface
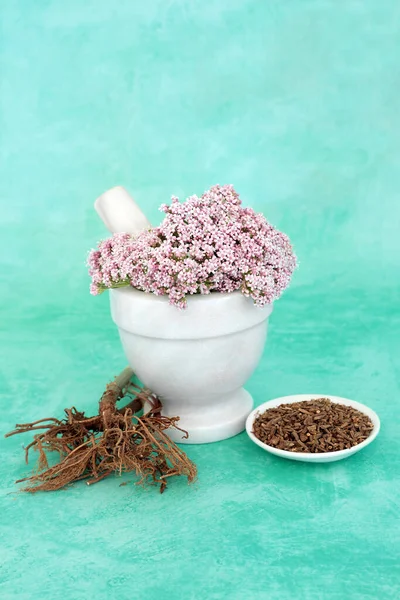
296	103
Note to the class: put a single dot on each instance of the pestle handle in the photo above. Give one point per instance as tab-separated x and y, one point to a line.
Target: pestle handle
120	213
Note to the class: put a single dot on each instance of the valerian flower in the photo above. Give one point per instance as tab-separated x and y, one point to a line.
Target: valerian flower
205	244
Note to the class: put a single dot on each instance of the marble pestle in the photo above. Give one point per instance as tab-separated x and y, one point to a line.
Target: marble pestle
120	213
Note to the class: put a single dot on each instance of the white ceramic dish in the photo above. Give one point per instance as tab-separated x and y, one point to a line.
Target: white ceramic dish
305	456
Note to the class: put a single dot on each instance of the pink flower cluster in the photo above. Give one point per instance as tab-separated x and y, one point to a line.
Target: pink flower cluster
205	244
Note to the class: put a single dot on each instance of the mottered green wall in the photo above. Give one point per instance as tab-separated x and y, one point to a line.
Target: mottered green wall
296	104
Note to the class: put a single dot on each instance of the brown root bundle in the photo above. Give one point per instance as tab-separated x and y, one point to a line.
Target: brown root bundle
114	441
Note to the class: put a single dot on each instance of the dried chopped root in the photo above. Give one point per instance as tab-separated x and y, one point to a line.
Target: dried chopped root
312	426
114	441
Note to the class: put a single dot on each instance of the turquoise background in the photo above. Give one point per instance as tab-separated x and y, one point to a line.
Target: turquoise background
297	104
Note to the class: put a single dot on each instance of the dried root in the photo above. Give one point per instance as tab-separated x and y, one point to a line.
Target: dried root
114	441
